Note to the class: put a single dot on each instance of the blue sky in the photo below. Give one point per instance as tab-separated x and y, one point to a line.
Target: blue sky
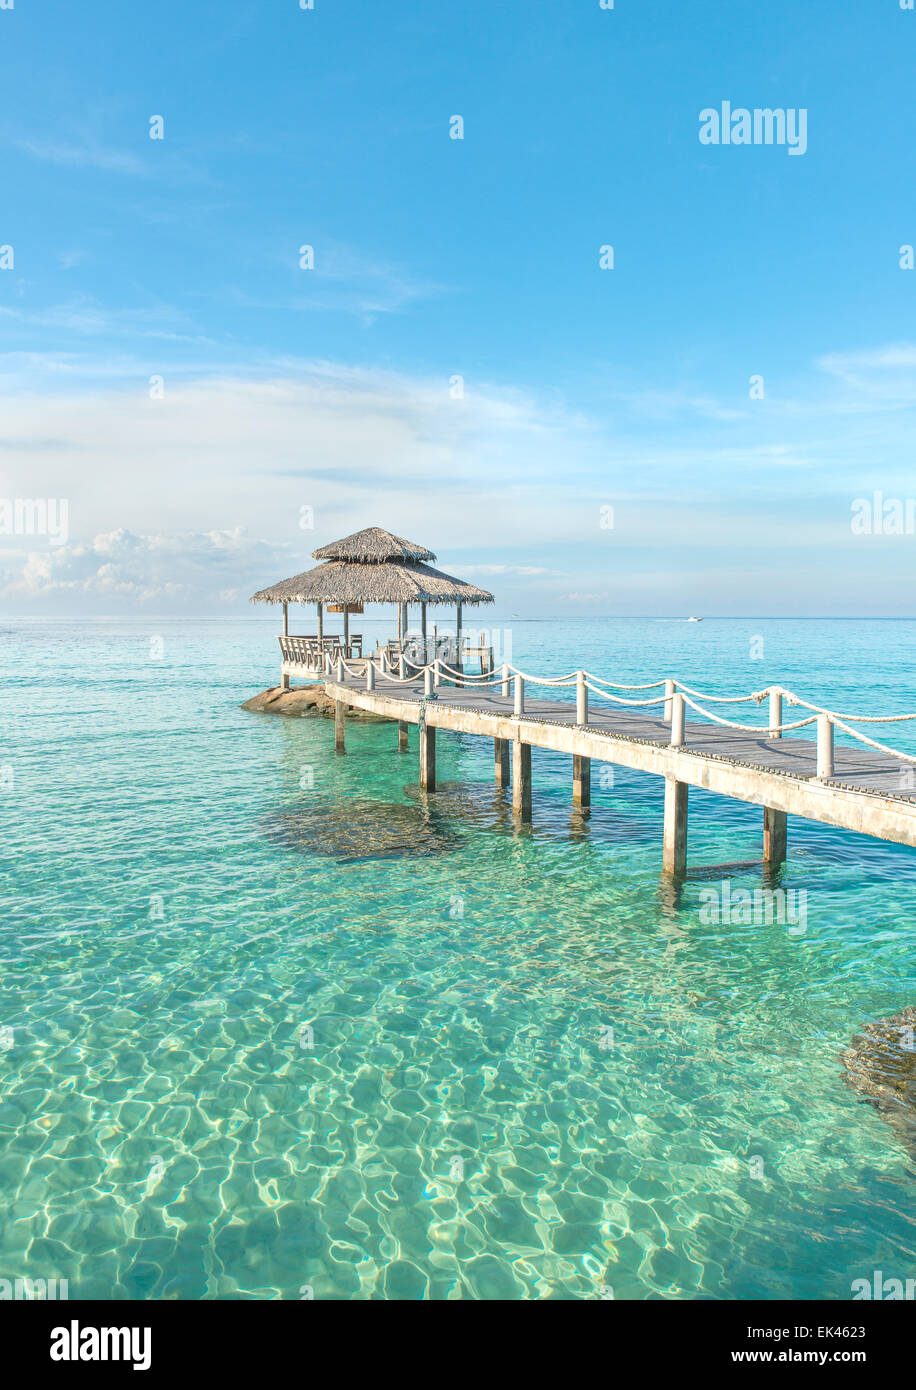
583	388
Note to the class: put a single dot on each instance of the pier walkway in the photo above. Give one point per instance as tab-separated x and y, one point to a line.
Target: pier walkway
866	787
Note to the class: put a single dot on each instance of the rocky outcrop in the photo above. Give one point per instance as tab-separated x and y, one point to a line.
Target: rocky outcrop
303	700
880	1066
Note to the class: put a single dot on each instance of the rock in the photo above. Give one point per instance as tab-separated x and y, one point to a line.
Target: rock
303	700
880	1066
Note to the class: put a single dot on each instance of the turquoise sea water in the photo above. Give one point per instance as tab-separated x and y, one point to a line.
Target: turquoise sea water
182	901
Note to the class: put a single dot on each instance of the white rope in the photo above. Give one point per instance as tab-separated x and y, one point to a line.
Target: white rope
757	695
618	685
487	679
859	718
881	747
746	728
619	699
545	680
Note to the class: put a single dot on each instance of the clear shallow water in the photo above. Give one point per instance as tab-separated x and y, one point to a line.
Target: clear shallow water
172	920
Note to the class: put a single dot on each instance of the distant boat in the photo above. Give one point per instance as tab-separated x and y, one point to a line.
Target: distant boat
694	620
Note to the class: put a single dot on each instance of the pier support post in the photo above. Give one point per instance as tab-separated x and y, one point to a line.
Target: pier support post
428	758
521	780
501	761
340	714
774	838
582	781
674	857
402	735
284	681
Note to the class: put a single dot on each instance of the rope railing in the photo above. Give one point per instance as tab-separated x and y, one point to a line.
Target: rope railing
618	685
481	680
676	698
757	695
619	699
747	728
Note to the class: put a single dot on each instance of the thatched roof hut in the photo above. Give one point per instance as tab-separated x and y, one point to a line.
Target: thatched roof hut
372	546
347	582
373	566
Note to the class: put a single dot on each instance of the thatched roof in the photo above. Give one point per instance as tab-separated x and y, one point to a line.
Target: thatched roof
373	545
341	581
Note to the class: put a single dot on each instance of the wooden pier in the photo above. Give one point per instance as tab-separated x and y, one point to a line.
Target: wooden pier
869	789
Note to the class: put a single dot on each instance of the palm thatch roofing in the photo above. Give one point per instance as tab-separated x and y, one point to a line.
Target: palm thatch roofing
373	545
373	566
348	581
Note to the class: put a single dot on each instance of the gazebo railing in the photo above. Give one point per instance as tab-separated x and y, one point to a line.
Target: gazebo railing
308	651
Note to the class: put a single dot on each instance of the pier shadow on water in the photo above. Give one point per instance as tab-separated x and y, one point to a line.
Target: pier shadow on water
350	830
486	806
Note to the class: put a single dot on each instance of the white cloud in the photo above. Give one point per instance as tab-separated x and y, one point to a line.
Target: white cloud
141	568
359	447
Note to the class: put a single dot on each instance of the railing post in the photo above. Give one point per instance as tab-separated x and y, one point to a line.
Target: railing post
437	674
581	698
519	696
505	680
402	667
775	712
677	721
340	670
669	700
427	682
824	746
370	675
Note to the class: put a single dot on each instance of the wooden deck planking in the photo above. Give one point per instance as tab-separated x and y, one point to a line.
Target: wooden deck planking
863	770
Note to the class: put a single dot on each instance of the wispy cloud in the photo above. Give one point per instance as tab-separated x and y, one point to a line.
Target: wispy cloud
85	154
509	569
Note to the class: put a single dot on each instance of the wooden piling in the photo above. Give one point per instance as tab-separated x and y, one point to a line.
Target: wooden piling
501	761
402	735
428	758
340	714
521	780
674	857
775	832
582	781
